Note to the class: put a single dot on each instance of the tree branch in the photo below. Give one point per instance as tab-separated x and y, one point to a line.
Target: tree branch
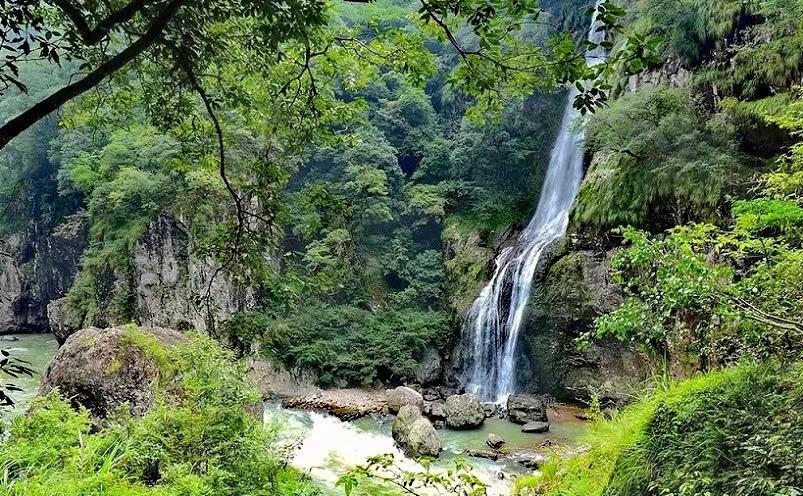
17	125
93	36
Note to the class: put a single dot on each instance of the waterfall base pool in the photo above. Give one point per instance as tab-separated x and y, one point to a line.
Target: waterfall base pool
327	447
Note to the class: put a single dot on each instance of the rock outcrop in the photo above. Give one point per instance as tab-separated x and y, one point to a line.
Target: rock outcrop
38	266
430	367
403	396
275	382
577	289
414	434
464	411
104	369
169	286
524	408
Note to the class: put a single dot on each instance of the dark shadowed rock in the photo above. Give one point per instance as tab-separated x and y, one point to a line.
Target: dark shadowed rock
415	434
401	396
494	441
464	411
435	410
102	369
429	369
535	427
523	408
578	288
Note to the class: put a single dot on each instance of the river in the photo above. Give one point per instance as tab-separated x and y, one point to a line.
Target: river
326	446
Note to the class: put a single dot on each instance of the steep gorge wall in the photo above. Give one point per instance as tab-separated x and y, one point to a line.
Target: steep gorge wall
38	265
166	286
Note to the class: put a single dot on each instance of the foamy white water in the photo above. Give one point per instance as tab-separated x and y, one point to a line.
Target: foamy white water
329	447
493	325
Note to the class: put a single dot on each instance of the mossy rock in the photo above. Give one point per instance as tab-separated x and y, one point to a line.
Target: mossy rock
103	369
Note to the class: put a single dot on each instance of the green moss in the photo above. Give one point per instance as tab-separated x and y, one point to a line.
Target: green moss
466	263
152	347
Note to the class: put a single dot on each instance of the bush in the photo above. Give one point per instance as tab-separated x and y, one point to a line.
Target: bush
200	442
738	431
660	161
347	343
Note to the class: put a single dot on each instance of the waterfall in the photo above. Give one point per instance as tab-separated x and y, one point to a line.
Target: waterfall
493	324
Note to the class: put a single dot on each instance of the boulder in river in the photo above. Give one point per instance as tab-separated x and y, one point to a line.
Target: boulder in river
523	408
495	441
464	411
435	410
535	427
102	369
401	396
415	434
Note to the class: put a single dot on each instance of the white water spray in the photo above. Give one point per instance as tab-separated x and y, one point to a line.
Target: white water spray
492	328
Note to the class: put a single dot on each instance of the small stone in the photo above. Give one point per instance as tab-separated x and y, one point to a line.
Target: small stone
495	441
483	453
535	427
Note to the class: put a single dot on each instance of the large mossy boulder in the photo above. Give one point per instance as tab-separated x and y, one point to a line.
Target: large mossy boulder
403	396
104	369
464	411
414	434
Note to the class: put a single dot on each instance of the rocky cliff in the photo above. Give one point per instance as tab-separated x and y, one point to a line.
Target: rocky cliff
576	289
166	285
38	265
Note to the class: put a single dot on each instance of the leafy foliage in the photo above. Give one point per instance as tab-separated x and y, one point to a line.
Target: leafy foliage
203	442
345	345
662	161
735	431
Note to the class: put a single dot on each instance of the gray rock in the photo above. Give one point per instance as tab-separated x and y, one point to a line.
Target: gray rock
429	368
523	408
276	382
483	453
435	410
494	441
101	369
464	411
415	434
402	396
529	459
535	427
578	288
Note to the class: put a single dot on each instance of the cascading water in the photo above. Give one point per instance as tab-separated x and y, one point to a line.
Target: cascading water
493	324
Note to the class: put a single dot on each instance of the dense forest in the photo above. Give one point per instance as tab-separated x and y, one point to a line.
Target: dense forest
220	209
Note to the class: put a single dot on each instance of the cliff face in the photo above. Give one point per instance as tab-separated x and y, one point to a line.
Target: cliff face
173	288
576	289
166	286
38	265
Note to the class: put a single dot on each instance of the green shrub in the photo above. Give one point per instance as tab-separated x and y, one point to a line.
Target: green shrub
200	442
660	161
738	431
347	343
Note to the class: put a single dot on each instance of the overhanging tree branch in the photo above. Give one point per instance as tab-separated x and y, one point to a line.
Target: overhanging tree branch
92	36
17	125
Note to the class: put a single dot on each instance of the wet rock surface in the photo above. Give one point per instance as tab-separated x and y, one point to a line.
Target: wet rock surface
535	427
464	411
524	408
414	434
